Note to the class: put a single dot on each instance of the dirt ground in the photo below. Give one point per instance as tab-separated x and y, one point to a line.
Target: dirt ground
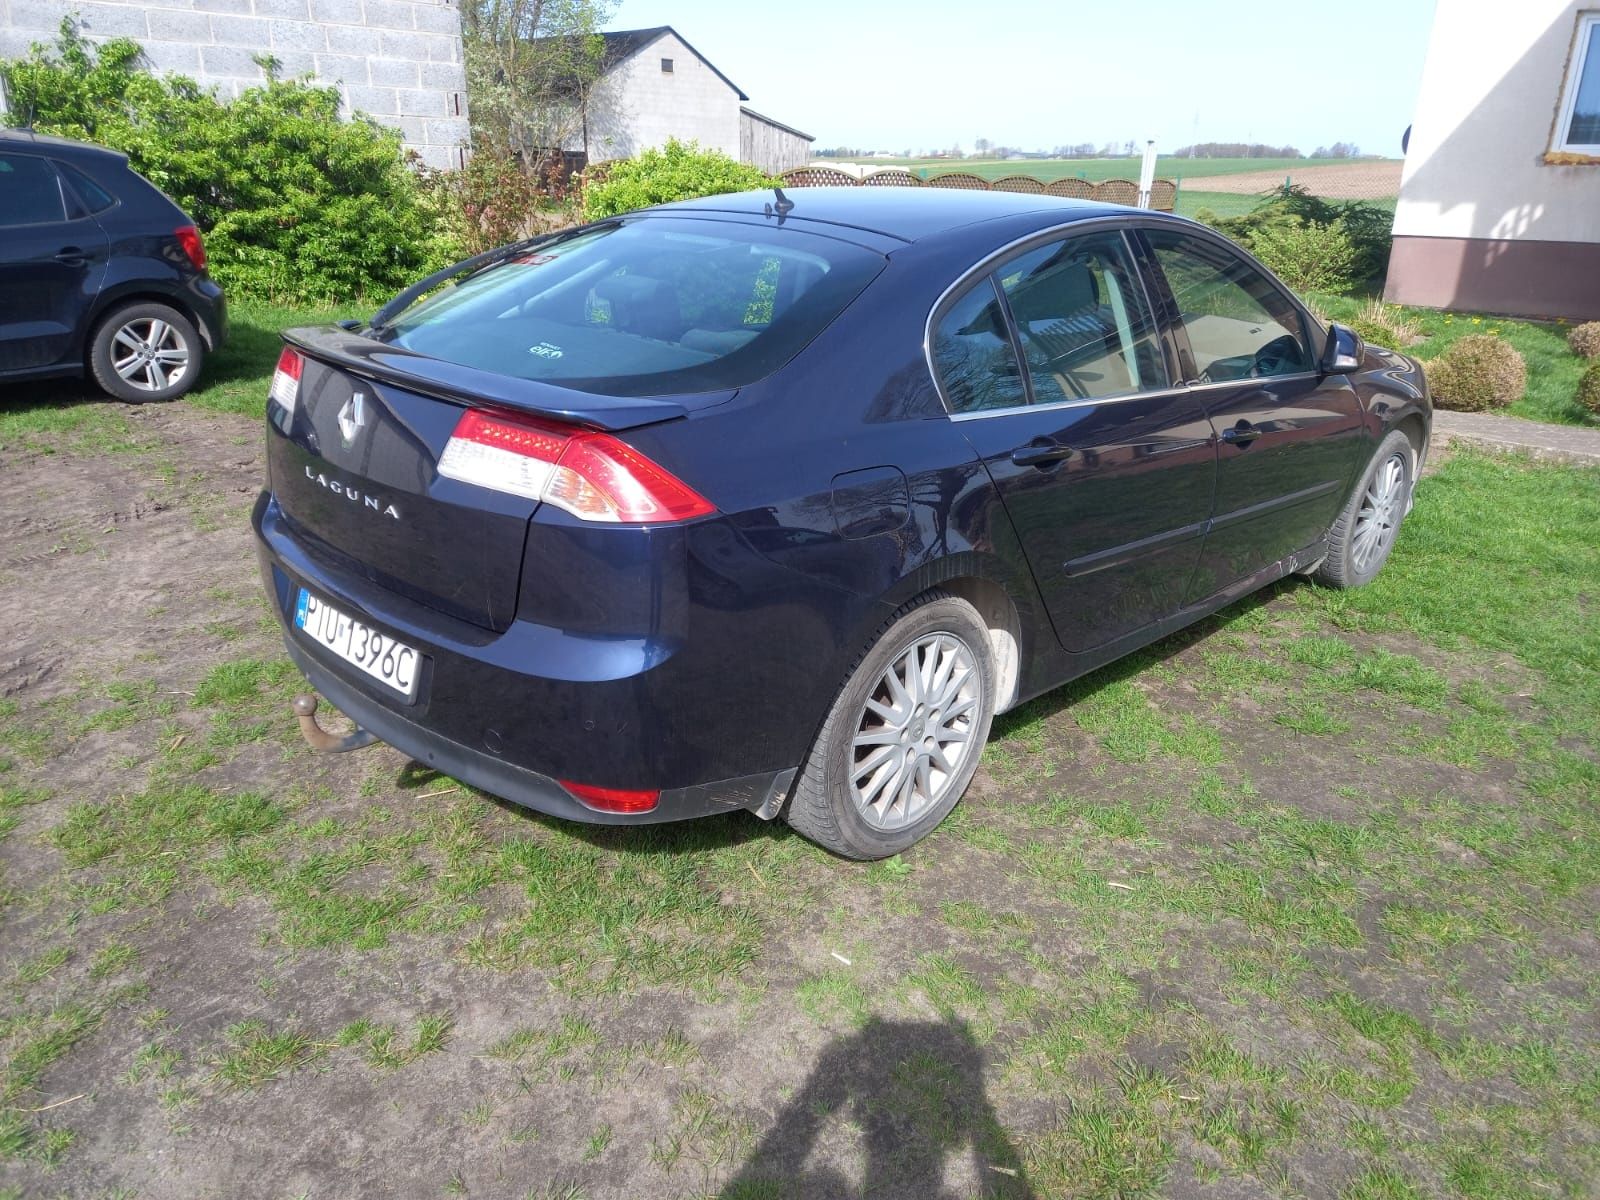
1342	181
1266	910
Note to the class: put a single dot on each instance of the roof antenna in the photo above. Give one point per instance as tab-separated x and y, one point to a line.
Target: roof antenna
782	208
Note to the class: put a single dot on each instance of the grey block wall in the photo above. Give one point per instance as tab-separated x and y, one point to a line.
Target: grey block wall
399	61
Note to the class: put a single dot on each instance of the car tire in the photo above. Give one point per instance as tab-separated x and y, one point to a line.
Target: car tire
146	351
881	773
1364	532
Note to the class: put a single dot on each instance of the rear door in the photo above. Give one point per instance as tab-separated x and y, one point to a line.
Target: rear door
52	261
1054	369
1289	437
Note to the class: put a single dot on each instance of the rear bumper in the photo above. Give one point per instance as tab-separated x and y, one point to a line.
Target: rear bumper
489	722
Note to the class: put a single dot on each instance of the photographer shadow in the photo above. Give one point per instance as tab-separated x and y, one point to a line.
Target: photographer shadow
915	1092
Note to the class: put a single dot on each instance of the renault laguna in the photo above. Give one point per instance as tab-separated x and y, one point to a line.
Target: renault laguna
773	502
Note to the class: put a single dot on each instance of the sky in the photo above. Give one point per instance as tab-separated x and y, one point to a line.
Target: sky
898	74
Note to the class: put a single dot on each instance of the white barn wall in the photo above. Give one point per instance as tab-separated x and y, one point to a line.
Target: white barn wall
637	105
399	61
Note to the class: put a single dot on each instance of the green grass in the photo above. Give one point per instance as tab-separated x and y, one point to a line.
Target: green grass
1309	888
1553	370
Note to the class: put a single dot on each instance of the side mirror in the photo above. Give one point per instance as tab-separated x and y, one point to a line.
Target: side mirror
1344	352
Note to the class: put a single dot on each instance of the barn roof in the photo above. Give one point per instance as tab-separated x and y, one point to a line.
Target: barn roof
766	120
623	44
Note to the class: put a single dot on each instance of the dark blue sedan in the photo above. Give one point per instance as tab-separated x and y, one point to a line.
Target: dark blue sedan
772	502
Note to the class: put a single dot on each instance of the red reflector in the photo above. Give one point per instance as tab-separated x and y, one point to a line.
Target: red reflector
617	800
189	238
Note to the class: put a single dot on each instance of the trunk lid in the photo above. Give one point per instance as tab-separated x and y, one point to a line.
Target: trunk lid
355	470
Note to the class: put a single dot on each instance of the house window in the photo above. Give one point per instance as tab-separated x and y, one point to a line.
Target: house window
1578	122
666	65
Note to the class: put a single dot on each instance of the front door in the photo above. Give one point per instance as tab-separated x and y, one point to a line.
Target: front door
1289	437
1054	369
50	265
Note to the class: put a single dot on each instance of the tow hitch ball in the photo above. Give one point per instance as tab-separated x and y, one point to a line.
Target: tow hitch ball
318	738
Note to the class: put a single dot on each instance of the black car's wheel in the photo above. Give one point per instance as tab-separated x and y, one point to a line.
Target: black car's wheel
903	739
146	351
1363	535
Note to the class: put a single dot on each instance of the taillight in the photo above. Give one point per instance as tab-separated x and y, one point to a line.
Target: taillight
193	246
592	475
617	800
285	387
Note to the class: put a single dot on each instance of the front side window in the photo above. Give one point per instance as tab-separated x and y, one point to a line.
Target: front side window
1239	325
649	306
1578	121
29	191
1081	315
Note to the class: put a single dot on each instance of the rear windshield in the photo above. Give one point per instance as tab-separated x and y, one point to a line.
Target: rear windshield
648	306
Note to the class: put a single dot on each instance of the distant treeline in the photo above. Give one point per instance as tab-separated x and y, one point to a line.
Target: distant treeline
1257	150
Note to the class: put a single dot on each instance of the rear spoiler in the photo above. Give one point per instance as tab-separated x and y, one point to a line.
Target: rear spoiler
442	380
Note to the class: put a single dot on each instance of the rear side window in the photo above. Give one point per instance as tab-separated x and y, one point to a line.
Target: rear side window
650	306
29	191
94	197
973	351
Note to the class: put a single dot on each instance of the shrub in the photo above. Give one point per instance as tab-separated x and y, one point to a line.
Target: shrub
1589	389
1385	325
1367	226
1477	373
295	203
1585	339
491	201
678	171
1307	257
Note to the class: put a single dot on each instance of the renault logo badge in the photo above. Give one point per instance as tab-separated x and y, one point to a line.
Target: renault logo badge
352	417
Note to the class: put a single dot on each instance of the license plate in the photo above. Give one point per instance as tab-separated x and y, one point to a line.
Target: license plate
393	664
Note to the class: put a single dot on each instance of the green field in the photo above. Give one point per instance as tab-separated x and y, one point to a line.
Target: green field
1096	169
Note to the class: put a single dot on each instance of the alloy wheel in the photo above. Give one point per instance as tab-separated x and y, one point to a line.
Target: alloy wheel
915	731
149	354
1382	506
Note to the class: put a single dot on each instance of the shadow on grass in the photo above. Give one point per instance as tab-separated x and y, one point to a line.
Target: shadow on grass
1042	708
915	1091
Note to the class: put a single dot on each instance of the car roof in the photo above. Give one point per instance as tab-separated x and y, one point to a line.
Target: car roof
64	147
906	213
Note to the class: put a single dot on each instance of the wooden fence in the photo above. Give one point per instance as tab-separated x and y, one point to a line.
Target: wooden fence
1163	192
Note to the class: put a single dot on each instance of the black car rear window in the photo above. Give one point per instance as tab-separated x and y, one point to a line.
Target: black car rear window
647	306
95	198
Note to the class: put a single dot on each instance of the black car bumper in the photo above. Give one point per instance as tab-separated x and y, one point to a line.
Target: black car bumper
497	764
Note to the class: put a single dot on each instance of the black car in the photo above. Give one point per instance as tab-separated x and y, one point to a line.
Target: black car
100	273
772	502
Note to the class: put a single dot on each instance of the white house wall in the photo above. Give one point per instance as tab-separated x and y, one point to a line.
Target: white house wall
1483	222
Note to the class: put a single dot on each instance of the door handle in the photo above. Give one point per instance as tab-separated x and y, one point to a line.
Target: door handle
72	256
1241	435
1041	452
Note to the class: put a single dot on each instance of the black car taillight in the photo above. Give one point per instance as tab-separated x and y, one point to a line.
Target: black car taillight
285	387
189	238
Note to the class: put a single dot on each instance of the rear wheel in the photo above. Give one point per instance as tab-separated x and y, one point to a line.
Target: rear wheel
1364	533
146	352
903	739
